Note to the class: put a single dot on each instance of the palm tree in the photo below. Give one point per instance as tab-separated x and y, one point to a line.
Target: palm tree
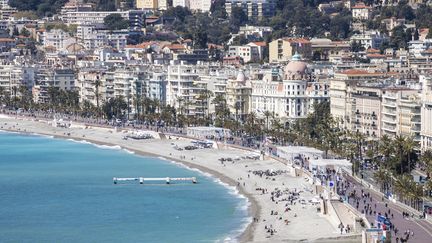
409	146
384	178
53	94
426	160
403	186
97	84
267	115
221	110
204	97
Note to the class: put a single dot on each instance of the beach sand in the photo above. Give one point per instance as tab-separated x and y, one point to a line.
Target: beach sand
305	224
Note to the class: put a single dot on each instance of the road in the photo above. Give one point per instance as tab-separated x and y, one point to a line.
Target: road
422	228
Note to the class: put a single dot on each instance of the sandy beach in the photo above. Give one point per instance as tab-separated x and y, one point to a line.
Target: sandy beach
279	203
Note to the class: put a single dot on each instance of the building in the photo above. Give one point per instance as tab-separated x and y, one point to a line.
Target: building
366	109
392	23
135	17
200	5
426	113
91	37
326	49
254	9
155	86
12	77
289	95
181	3
238	95
128	84
147	4
360	11
342	86
46	78
401	112
247	52
282	50
95	85
184	86
369	39
58	39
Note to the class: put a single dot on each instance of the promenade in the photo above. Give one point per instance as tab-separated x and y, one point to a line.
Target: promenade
370	202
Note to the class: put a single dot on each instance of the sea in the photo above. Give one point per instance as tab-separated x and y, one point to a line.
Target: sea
56	190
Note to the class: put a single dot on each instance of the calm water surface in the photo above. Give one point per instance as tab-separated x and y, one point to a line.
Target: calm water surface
54	190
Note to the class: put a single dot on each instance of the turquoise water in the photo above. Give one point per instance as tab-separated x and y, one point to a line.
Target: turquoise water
54	190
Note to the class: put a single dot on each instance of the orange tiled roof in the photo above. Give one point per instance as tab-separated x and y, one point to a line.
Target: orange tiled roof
424	30
361	6
371	50
260	43
6	40
355	72
143	45
297	40
175	47
215	46
375	55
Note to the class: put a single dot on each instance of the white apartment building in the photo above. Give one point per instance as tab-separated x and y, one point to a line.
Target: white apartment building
254	9
247	53
90	17
57	38
184	87
417	47
181	3
238	96
45	77
426	113
369	39
91	38
361	11
342	86
401	112
366	110
12	77
89	91
155	85
146	4
200	5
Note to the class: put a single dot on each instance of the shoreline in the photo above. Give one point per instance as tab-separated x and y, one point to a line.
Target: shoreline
253	206
289	225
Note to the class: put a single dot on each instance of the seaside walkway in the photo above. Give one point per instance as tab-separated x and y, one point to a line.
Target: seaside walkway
167	180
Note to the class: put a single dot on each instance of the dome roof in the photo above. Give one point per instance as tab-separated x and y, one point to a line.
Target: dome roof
241	77
295	67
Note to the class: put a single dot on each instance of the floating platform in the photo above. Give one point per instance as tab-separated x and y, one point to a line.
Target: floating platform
167	180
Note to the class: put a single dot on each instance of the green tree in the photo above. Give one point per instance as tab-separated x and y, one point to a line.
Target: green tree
115	22
356	46
237	19
25	32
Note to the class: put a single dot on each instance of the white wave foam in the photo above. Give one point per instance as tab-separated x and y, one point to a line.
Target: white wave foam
101	146
79	141
115	147
42	135
6	131
128	151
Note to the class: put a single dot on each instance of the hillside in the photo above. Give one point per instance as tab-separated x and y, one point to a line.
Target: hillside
50	7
